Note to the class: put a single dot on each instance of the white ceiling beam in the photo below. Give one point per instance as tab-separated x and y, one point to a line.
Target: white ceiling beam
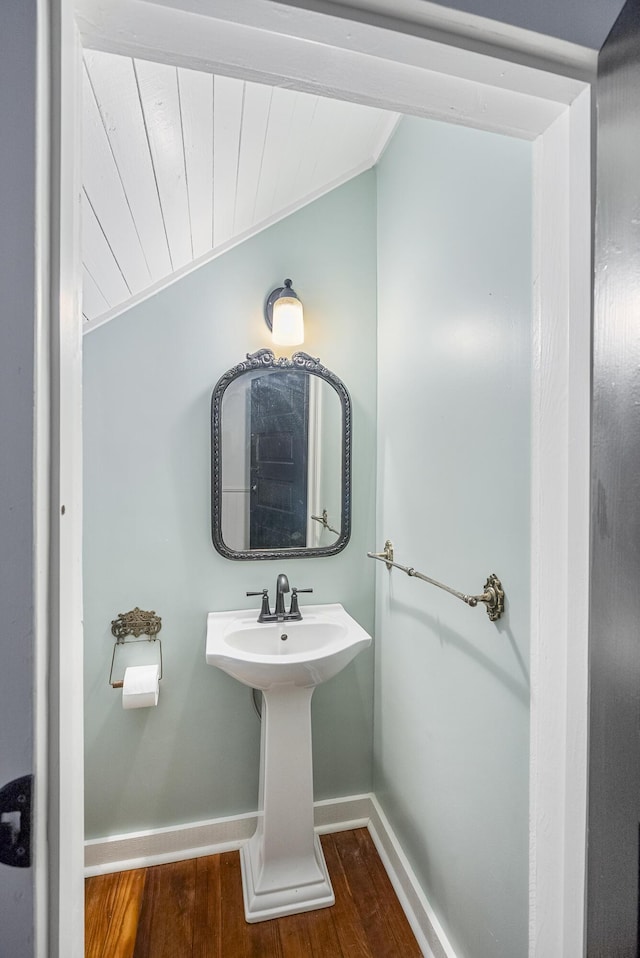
420	19
360	62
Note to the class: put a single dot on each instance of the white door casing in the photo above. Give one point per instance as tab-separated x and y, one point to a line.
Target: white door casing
262	40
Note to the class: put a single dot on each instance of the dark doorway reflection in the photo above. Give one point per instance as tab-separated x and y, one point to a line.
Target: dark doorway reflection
279	461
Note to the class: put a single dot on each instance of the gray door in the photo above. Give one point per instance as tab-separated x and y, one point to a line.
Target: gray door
17	320
614	764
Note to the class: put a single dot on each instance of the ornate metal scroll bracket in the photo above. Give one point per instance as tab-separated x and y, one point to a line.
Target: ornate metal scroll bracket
143	626
324	520
137	623
492	597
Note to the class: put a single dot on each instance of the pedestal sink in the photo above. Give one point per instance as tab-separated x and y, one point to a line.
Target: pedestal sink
283	868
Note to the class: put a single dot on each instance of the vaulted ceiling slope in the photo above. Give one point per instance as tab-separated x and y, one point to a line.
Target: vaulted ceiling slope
179	166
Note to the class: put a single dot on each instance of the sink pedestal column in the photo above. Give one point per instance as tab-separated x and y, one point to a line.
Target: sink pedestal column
283	867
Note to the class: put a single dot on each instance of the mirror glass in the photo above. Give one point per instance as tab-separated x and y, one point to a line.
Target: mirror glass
281	459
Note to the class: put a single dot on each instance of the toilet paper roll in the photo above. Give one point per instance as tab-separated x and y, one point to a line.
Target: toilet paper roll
140	686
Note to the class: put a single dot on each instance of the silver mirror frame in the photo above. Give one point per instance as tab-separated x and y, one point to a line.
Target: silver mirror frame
265	359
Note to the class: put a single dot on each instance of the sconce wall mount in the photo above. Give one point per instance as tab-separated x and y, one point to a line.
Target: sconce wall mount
284	316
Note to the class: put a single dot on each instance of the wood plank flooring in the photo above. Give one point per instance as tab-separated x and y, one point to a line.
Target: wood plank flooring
193	909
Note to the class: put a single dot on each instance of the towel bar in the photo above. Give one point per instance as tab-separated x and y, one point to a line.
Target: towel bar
492	597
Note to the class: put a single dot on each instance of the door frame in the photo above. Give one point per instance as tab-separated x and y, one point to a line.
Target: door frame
59	677
381	65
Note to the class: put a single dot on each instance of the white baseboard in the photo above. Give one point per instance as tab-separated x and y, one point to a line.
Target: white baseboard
420	915
157	846
161	845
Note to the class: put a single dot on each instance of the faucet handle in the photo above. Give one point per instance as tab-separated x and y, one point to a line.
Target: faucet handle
294	609
265	610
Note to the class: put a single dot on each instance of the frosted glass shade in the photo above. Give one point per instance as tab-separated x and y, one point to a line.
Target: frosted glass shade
288	321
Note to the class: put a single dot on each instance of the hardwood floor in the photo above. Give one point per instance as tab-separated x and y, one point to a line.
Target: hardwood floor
193	909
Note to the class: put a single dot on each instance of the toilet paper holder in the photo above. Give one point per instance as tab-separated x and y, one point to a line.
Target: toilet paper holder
134	626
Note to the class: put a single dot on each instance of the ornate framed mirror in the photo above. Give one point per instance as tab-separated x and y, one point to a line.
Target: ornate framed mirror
280	459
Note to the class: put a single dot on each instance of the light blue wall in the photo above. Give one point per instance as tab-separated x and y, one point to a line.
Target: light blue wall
452	689
148	381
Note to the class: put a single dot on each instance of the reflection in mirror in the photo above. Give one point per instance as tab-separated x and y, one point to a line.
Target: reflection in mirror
281	459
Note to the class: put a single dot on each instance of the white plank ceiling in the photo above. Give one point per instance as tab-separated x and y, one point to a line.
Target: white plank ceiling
179	166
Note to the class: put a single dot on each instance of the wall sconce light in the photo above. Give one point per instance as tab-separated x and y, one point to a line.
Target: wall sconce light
283	315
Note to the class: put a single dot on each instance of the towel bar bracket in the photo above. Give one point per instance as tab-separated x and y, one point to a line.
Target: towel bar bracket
386	556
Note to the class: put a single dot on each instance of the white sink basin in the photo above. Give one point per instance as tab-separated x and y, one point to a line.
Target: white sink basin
267	654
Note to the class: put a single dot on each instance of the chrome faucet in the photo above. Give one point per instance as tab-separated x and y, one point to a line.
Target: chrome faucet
282	586
280	614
